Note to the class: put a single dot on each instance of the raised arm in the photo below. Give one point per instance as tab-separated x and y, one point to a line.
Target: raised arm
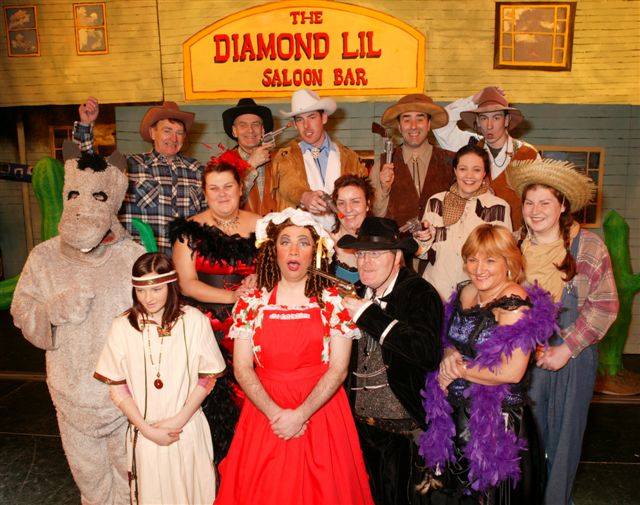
83	129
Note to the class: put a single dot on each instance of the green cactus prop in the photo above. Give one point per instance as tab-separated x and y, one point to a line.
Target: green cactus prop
616	237
146	235
47	180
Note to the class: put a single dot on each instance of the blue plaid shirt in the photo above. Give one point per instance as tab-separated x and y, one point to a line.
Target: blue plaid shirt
159	191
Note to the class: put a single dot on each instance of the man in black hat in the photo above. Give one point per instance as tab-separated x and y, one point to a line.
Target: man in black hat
400	316
247	123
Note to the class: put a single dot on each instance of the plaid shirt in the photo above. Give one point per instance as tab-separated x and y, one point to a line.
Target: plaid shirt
159	191
597	294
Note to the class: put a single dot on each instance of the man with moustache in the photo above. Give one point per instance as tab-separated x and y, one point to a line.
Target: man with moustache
164	183
246	123
305	169
418	169
489	114
399	315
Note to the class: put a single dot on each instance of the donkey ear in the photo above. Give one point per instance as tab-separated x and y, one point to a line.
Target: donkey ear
70	150
117	159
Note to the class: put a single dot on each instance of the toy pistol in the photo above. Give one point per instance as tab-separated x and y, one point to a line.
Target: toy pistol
270	138
332	206
344	288
411	226
388	141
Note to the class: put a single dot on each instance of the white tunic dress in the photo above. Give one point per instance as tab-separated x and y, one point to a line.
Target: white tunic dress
182	472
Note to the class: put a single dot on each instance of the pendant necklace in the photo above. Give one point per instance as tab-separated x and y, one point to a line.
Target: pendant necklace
226	223
162	332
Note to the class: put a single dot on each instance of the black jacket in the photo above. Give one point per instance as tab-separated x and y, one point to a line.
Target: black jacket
411	348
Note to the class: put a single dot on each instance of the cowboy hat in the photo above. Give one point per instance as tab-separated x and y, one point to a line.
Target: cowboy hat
491	100
305	100
416	102
378	233
246	106
168	110
560	175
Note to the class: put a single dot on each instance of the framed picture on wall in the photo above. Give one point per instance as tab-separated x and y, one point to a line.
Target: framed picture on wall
534	35
21	25
91	28
589	161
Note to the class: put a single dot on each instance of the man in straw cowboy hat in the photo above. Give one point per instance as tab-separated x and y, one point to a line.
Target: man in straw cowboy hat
400	316
418	169
306	168
573	264
488	113
246	123
163	183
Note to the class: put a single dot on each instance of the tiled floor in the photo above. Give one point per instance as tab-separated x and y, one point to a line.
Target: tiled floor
34	471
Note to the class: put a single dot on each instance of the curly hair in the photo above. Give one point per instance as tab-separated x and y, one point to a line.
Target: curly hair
267	263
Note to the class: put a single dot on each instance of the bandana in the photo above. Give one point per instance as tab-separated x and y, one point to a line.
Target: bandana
453	204
154	280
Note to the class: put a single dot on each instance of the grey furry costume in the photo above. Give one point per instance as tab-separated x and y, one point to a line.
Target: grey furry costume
71	288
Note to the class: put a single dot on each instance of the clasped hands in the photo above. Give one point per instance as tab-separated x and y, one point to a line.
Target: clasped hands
164	432
452	367
288	424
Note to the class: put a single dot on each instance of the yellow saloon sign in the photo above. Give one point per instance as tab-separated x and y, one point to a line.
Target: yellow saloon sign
274	49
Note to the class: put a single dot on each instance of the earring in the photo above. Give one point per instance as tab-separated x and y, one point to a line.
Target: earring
509	274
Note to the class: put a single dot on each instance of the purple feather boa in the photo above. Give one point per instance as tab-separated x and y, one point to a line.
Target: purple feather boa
493	452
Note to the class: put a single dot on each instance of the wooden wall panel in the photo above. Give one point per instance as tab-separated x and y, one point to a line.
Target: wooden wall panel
131	71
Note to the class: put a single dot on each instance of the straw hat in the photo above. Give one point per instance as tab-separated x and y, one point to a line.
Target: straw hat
416	102
491	100
168	110
305	100
560	175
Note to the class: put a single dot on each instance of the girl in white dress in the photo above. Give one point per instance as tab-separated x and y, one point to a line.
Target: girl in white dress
160	361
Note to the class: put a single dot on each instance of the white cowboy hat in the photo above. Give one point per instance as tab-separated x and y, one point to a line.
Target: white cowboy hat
305	100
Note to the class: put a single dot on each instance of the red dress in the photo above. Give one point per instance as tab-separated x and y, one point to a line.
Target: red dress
322	467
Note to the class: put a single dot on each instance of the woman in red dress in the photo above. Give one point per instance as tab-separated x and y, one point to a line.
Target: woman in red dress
296	441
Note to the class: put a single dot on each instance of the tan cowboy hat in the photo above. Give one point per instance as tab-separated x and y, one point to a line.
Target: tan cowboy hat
491	100
168	110
560	175
416	102
305	100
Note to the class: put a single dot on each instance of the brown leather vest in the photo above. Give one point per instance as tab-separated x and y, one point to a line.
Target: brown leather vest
522	151
404	201
261	204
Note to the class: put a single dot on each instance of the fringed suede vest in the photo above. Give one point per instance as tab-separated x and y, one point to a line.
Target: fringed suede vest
404	201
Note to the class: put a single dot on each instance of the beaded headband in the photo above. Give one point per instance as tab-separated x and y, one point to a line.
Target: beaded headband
155	280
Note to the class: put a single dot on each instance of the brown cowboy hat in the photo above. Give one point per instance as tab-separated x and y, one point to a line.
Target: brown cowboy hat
168	110
416	102
491	100
246	106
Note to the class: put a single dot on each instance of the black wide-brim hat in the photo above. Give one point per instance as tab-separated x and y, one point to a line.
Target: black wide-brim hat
376	234
246	106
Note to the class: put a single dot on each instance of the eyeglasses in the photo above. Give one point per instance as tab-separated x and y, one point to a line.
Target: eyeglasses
371	254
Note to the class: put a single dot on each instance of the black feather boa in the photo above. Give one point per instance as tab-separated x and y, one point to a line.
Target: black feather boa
213	244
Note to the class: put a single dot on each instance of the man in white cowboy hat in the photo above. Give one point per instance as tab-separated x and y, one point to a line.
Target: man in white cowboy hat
399	315
163	183
418	169
489	114
306	168
246	123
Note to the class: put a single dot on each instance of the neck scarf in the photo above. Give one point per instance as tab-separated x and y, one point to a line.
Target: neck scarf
453	204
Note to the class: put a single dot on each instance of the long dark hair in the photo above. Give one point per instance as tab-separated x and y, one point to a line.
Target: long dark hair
267	264
568	266
157	263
